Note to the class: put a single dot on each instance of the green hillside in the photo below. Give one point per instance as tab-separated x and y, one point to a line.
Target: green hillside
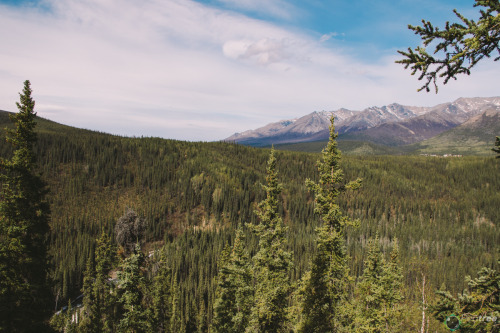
193	195
474	137
348	147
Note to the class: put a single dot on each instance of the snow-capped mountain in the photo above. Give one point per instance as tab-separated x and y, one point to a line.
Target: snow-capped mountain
305	128
393	124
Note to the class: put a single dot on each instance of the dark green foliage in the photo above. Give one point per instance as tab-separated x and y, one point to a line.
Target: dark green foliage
24	215
234	294
379	292
193	195
176	322
161	298
242	277
326	286
132	286
478	307
497	146
458	47
62	321
99	295
129	230
225	303
272	262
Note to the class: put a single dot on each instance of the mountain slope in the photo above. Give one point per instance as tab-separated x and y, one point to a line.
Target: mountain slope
306	128
393	124
475	136
375	116
405	132
347	147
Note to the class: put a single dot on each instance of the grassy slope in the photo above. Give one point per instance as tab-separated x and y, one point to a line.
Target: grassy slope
475	137
348	147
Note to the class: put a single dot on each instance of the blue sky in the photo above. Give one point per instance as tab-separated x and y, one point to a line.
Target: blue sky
202	70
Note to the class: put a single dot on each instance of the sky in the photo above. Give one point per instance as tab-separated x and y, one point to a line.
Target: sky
203	70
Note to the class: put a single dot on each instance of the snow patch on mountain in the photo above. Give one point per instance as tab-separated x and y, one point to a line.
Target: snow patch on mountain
314	126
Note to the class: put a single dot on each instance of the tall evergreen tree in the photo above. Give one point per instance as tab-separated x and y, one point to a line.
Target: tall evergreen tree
369	291
24	217
224	304
379	292
242	280
99	296
176	324
132	286
272	262
234	290
392	283
325	285
160	310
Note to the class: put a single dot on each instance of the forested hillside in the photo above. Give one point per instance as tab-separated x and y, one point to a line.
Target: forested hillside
443	211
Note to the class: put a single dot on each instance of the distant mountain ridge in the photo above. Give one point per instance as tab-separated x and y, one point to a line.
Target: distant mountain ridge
392	125
475	136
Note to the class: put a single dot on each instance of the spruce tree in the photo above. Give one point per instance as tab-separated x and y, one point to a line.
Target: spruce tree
325	286
99	296
176	324
392	294
241	274
234	290
272	263
161	303
457	48
370	290
24	226
224	304
478	308
132	287
379	294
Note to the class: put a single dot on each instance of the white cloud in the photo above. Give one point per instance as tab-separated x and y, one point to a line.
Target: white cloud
328	36
179	69
264	51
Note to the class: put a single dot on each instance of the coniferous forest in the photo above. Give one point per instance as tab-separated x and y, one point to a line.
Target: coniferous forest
155	235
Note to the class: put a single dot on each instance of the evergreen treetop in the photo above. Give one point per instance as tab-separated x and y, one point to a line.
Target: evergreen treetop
272	262
326	286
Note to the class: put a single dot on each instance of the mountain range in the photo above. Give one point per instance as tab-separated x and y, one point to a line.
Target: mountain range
392	125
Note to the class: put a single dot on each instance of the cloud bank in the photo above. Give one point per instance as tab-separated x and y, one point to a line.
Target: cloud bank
180	69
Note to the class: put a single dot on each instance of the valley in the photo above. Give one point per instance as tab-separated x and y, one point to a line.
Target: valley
193	196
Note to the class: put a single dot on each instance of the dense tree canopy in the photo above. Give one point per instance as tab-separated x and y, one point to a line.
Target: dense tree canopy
194	195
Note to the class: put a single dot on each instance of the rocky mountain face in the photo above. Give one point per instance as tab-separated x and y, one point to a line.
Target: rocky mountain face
393	124
306	128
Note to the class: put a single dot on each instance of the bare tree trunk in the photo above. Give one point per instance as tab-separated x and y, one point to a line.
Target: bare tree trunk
422	330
